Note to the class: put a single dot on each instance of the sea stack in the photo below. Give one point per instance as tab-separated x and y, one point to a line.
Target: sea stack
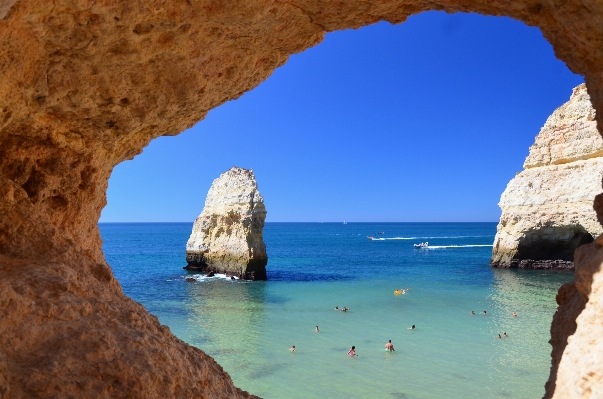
547	209
228	235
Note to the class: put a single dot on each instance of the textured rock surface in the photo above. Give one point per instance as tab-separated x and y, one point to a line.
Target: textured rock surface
547	208
228	235
85	85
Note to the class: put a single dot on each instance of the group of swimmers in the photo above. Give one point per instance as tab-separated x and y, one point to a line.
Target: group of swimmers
389	347
504	333
352	352
484	313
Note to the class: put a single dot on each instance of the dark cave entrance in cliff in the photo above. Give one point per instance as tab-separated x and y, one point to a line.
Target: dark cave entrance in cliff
551	243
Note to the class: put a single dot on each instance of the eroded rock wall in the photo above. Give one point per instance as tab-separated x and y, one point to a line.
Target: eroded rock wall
85	85
227	236
547	208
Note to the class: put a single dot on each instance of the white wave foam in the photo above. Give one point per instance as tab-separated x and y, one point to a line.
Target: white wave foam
427	238
203	277
457	246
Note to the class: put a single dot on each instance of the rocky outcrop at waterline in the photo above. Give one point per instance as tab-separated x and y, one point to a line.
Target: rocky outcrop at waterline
547	208
228	235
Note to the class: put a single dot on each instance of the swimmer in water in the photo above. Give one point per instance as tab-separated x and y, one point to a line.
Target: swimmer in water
499	337
292	349
344	309
473	312
484	312
514	314
336	307
316	329
389	346
505	335
412	327
352	352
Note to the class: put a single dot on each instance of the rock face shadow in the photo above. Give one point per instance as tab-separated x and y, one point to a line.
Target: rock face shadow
552	243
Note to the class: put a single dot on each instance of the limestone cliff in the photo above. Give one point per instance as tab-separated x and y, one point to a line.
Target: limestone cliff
547	208
228	235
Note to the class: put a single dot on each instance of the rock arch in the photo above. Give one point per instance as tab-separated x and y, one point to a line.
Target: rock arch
85	85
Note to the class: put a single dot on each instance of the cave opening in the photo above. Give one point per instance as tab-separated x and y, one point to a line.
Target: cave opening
288	160
86	88
552	243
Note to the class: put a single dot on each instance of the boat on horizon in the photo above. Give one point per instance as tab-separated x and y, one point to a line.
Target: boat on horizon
422	245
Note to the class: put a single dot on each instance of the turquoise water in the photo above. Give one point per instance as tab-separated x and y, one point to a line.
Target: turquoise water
249	326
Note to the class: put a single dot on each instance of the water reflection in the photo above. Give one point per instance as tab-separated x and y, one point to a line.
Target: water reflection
531	294
227	319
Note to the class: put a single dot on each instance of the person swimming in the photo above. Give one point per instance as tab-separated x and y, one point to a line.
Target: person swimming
389	346
514	314
484	313
352	352
316	329
412	327
292	349
473	312
344	309
499	337
336	307
505	335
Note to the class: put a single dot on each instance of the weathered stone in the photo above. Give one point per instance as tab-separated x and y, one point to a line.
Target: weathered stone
228	235
576	370
86	85
547	208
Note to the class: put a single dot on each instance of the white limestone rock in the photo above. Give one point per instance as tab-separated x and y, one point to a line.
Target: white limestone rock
547	208
227	236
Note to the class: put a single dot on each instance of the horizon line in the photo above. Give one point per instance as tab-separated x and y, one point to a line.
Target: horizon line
337	222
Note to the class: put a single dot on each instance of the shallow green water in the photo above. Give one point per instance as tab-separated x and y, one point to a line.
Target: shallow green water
249	326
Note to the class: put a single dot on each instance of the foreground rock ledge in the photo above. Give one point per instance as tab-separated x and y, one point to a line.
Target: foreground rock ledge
228	235
547	208
86	85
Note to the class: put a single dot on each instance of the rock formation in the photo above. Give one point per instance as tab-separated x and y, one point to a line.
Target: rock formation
227	236
85	85
547	208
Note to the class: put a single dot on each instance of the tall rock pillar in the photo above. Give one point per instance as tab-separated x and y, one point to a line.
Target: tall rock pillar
228	235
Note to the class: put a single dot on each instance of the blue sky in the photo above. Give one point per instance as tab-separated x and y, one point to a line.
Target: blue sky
425	121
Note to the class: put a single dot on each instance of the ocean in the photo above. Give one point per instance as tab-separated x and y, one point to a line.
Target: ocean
248	327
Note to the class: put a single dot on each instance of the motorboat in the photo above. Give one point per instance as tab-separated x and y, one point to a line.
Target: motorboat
422	245
370	237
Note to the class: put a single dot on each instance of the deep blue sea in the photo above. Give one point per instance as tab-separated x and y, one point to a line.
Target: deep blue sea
248	327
